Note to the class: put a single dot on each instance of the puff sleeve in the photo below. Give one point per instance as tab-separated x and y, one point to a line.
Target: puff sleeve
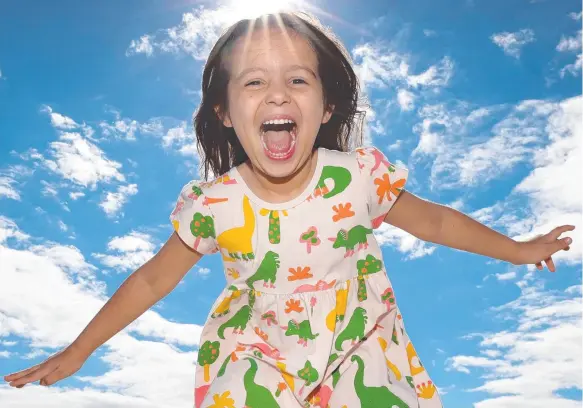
382	182
193	221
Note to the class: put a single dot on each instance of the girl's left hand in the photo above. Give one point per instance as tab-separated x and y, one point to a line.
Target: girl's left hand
541	248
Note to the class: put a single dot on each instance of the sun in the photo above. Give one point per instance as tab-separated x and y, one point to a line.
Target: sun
250	9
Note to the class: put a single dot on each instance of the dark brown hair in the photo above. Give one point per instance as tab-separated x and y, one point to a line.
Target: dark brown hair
219	146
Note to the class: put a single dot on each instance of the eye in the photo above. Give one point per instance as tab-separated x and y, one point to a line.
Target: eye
298	81
253	83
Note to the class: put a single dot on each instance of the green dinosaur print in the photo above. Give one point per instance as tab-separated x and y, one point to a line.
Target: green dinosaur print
339	175
267	271
366	266
356	235
336	373
394	337
373	397
309	374
410	381
240	319
258	396
354	330
303	330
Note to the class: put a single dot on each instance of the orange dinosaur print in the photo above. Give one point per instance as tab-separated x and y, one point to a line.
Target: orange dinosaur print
385	187
299	273
342	211
293	306
210	200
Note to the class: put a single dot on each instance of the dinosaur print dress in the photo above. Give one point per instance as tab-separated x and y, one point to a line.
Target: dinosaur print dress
308	317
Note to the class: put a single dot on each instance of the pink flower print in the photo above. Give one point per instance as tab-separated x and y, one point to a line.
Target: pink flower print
310	238
178	207
313	302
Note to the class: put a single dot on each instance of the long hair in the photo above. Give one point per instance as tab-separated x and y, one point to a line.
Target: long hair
219	146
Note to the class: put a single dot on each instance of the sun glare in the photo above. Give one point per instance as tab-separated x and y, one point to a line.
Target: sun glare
255	8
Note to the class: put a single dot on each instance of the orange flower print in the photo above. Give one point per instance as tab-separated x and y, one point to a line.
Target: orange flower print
280	387
293	306
261	333
299	273
386	188
223	401
342	211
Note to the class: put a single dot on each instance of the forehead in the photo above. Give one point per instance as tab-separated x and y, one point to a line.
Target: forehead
270	49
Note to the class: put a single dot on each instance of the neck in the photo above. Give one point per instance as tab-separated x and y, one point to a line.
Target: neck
281	189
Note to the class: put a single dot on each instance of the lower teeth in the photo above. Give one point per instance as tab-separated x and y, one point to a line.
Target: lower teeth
279	155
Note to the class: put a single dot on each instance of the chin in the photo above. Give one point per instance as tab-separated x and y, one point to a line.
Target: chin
280	167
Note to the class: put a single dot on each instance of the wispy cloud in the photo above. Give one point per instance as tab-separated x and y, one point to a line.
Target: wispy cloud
128	252
36	317
528	364
114	201
512	43
194	36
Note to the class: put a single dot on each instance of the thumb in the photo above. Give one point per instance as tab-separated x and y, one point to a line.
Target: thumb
562	243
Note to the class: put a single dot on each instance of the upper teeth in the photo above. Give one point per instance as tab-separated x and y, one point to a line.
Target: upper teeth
278	121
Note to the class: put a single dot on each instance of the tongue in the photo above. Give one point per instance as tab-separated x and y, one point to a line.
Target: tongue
277	141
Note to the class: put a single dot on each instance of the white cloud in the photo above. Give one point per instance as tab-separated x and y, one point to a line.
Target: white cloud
75	195
402	241
464	152
133	368
511	43
182	139
59	121
129	252
573	45
528	211
406	99
506	276
429	33
541	355
114	201
195	35
126	129
379	67
76	159
7	190
575	16
141	46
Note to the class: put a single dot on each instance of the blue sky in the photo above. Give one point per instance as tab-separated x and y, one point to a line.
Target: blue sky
481	100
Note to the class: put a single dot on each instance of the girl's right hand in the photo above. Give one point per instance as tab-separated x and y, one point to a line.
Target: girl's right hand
60	365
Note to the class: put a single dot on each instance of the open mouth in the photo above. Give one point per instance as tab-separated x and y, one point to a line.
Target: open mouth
278	137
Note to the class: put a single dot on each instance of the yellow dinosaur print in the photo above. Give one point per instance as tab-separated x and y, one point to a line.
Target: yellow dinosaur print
223	307
237	241
390	365
288	378
411	354
337	313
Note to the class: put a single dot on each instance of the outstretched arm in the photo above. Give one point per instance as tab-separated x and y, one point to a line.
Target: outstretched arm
446	226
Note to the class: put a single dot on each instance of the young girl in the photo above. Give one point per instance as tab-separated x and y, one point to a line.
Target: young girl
308	316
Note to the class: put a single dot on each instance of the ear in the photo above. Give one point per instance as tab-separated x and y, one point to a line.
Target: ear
328	114
223	117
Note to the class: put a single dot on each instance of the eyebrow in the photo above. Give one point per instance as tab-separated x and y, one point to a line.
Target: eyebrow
290	68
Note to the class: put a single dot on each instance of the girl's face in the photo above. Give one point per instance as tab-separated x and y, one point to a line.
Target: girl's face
275	100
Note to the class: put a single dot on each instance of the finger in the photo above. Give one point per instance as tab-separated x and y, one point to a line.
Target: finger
550	264
556	232
52	378
562	243
539	266
19	374
33	376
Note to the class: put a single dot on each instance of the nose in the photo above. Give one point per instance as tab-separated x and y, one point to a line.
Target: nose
277	93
